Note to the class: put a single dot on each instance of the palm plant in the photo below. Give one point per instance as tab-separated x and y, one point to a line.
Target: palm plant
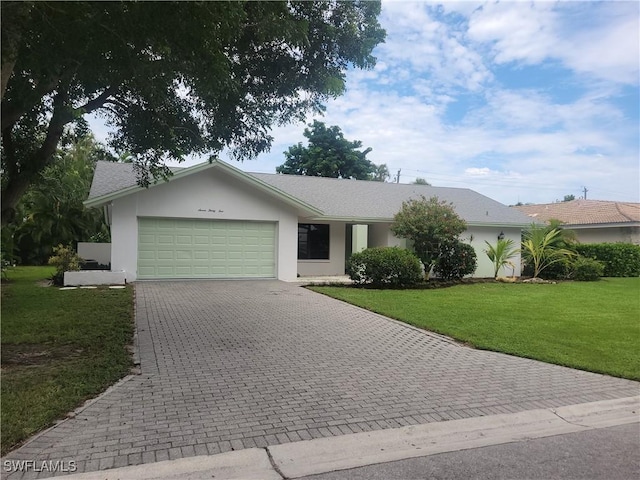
542	247
501	253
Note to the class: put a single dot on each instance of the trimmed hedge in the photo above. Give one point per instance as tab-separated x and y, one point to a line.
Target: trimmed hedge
620	259
384	267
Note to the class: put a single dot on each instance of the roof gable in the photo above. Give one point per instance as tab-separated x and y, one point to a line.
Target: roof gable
115	180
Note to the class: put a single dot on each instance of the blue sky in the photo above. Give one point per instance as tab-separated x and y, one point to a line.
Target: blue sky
519	101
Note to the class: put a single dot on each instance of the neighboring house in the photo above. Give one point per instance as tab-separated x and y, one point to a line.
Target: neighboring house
594	221
215	221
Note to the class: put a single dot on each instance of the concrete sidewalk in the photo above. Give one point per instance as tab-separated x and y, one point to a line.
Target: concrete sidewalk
300	459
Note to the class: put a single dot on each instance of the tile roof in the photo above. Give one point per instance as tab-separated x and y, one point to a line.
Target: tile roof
344	199
584	212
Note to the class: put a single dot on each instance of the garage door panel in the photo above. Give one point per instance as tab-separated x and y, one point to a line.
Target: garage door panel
165	239
177	248
201	255
184	255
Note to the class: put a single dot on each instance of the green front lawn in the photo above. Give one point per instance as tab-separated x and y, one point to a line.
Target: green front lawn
592	326
59	348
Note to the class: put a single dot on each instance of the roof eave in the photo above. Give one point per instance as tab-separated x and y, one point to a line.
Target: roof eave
579	226
363	220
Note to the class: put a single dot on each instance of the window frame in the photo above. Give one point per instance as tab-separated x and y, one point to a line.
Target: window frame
318	249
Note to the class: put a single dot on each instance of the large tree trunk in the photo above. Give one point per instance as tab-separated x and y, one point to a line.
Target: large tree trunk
7	70
14	16
11	195
20	176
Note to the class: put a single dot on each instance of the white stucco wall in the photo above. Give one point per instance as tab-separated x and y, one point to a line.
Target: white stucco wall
210	194
337	246
476	237
608	234
381	236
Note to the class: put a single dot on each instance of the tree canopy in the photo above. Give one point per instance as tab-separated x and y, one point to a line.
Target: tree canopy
329	154
171	78
431	225
51	212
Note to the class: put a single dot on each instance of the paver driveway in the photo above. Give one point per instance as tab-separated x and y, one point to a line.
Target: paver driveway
238	364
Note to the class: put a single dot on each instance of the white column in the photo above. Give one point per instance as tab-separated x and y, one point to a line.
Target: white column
359	238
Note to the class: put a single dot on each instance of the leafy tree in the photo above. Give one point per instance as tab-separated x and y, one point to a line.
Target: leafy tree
381	173
329	154
542	248
172	78
420	181
430	225
51	212
501	253
568	198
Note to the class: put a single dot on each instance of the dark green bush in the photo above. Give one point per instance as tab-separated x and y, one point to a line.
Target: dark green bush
456	260
587	269
620	259
384	266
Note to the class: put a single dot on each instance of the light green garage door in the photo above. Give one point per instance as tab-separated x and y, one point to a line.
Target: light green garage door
179	248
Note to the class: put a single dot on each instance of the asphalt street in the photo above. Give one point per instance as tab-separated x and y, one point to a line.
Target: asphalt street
608	453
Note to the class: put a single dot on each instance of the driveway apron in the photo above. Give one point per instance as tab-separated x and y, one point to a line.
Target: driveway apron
228	365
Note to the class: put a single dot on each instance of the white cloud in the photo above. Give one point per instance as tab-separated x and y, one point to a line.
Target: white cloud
480	172
610	51
517	31
423	44
606	45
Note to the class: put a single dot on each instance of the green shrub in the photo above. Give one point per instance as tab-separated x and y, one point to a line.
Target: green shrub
65	259
587	269
561	270
5	264
456	260
384	266
620	259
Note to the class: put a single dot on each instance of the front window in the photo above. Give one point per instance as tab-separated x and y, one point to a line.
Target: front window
313	241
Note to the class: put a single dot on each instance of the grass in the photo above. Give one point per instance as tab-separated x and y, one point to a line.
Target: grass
59	348
592	326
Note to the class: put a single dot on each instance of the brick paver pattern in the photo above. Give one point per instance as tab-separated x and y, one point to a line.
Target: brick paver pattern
228	365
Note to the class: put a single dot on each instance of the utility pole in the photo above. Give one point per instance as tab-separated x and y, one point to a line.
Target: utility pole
398	176
585	190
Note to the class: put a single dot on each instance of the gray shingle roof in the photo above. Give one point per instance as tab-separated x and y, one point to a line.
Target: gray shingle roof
110	177
339	198
344	199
